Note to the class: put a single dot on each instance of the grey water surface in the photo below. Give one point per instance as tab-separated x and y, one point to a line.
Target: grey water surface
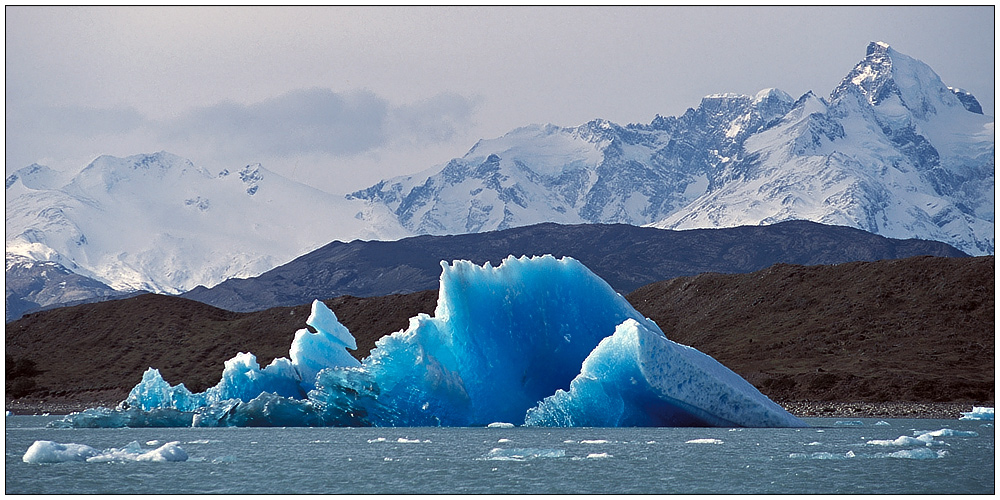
834	457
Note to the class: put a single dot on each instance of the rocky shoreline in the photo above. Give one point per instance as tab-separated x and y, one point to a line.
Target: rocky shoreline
832	409
891	409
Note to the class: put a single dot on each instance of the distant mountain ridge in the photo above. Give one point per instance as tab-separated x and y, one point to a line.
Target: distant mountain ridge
158	222
893	151
625	256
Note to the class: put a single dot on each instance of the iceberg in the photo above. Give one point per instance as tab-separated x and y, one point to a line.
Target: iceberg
978	413
535	340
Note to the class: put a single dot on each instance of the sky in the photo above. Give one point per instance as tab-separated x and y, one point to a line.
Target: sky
341	97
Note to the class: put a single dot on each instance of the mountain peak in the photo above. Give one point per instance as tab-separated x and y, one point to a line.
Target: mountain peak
877	48
888	76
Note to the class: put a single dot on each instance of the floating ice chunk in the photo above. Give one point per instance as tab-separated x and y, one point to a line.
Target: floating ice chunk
946	432
503	440
849	423
594	441
599	455
978	413
703	441
922	440
405	440
882	422
925	438
10	413
823	455
49	452
915	454
523	453
637	377
500	425
169	452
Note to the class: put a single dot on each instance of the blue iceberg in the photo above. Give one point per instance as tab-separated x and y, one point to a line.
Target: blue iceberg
539	341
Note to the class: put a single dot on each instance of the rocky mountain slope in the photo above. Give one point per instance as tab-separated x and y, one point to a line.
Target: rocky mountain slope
625	256
892	150
915	329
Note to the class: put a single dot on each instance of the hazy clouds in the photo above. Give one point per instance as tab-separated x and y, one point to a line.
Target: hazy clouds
319	121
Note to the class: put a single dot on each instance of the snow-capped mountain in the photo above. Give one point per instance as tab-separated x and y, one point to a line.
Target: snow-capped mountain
893	151
157	222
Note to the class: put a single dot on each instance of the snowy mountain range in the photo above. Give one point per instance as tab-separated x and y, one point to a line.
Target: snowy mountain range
157	222
892	150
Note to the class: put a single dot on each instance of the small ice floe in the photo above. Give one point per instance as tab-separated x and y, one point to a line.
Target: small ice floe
947	432
500	425
814	443
153	442
594	441
599	455
378	440
882	422
917	454
10	413
823	455
978	413
404	440
520	454
704	441
42	452
849	423
923	438
503	440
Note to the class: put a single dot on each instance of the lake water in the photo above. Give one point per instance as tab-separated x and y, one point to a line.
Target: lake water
833	457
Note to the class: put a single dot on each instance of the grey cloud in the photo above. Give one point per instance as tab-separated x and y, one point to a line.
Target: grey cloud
311	121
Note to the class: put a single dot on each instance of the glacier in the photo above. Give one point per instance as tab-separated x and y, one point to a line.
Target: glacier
535	340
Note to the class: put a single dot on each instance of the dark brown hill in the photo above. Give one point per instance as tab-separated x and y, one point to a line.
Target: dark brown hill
916	329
